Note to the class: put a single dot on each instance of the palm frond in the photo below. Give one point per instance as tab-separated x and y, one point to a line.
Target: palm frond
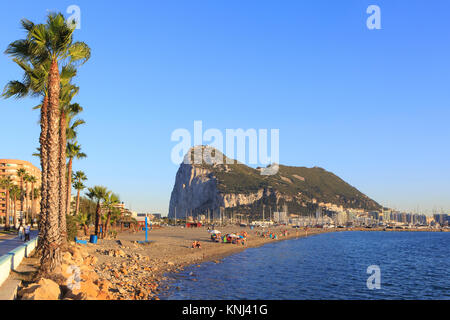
15	89
79	52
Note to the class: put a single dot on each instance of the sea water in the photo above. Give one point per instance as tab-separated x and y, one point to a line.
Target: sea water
411	265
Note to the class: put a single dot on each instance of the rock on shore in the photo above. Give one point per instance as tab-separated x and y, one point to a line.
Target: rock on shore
81	278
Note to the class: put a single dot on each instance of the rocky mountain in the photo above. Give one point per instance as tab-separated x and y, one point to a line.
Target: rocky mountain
210	186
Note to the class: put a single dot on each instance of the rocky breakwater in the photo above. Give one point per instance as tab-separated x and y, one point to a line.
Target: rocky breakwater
132	275
76	280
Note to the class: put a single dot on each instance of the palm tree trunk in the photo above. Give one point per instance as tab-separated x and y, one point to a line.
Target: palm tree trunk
7	210
62	178
51	248
44	168
32	202
108	219
21	194
97	217
69	184
15	212
25	214
77	208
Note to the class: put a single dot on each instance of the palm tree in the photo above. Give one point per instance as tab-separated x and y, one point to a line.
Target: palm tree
99	194
111	200
6	184
83	219
32	180
51	43
34	84
33	55
66	95
26	180
36	195
22	173
14	193
79	177
73	151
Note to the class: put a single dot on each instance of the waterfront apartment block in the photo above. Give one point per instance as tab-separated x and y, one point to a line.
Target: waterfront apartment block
9	167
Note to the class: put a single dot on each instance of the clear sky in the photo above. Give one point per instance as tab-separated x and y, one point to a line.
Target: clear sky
372	106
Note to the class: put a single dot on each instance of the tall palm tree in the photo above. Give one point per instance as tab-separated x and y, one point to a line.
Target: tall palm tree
79	177
99	194
34	84
32	180
31	55
66	112
37	195
73	151
21	173
27	196
6	183
111	200
52	42
14	193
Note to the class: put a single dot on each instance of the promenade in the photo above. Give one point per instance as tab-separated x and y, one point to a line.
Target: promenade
6	245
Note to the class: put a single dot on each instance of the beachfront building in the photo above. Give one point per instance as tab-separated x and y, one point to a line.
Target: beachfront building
31	203
280	217
442	219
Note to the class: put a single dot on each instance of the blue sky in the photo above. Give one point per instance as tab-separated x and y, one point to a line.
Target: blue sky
372	106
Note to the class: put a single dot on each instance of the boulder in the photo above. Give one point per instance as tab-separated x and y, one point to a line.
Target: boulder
72	296
67	270
119	253
89	275
45	289
90	260
77	257
103	296
67	258
88	288
103	284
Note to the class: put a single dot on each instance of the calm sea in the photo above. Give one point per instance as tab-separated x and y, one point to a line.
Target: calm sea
413	265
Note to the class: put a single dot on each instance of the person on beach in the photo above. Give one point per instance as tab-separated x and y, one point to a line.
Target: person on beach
27	232
196	244
21	231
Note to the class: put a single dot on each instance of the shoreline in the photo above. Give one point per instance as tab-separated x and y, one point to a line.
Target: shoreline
132	266
145	271
168	276
169	252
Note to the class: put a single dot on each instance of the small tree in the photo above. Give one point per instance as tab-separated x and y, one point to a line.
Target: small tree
99	194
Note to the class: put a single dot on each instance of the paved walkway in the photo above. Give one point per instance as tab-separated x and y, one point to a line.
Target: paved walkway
10	244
